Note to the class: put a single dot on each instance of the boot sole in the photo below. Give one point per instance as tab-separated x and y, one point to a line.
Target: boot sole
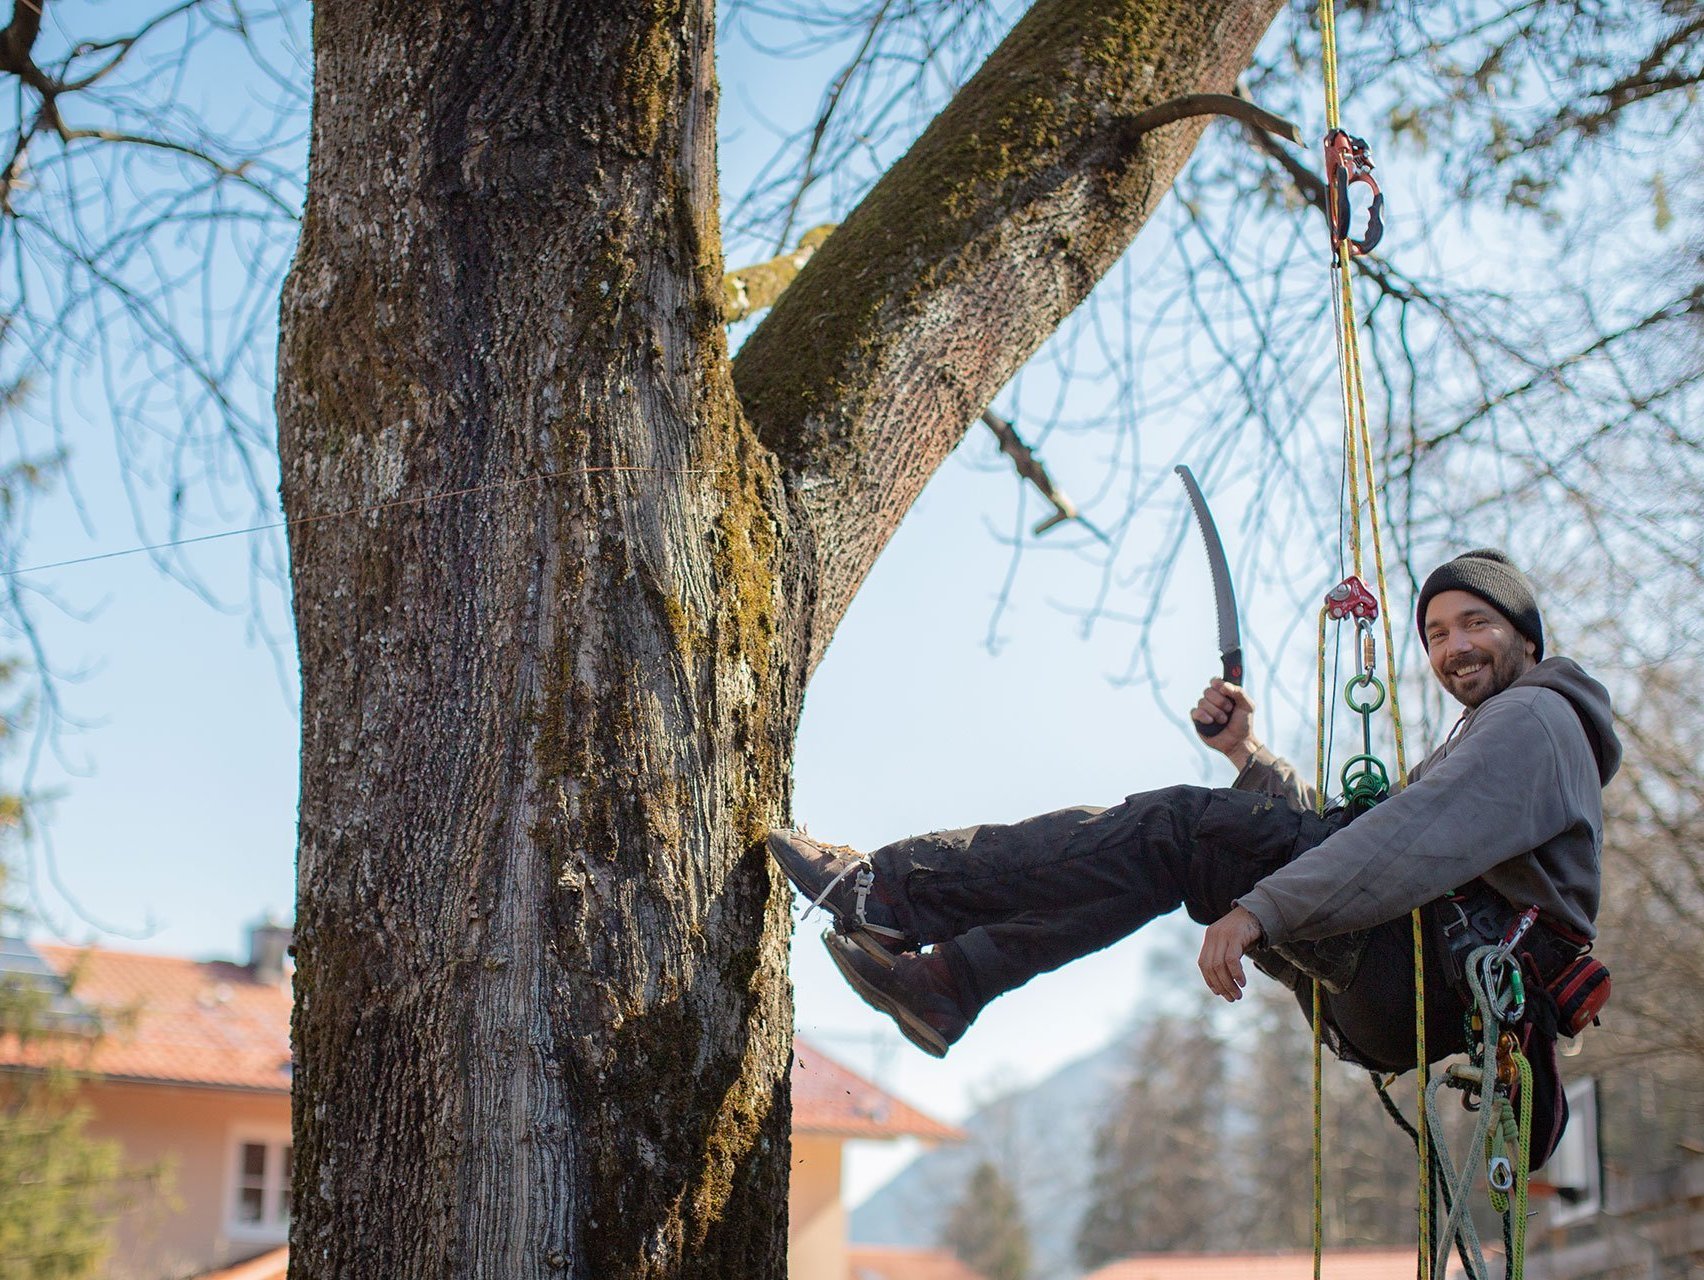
912	1027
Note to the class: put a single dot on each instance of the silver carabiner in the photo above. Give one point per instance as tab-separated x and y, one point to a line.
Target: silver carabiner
1499	975
1500	1174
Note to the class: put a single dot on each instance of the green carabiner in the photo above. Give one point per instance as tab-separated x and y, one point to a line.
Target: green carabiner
1365	779
1362	682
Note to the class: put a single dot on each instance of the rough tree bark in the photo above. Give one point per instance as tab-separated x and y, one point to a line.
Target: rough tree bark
543	1022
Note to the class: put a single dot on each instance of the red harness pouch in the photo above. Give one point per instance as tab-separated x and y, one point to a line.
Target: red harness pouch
1581	990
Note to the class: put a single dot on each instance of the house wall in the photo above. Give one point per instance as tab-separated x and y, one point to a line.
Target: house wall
187	1228
816	1248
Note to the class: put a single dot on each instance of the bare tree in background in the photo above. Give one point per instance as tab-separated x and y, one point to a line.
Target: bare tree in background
1545	144
985	1228
150	177
133	178
1160	1158
1628	502
149	185
1644	623
1646	1054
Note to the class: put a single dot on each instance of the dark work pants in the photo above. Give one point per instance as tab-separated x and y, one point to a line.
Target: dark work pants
1006	903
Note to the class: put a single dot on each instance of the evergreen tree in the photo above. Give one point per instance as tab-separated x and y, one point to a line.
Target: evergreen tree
1369	1170
56	1183
1275	1082
1159	1168
986	1227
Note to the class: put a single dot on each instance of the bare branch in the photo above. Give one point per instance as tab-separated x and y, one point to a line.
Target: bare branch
236	173
1230	105
121	47
863	376
17	46
1030	468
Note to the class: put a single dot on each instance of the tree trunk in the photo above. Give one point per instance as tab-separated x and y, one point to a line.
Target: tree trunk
552	670
543	1023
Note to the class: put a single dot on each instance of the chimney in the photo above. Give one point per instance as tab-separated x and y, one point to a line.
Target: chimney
269	946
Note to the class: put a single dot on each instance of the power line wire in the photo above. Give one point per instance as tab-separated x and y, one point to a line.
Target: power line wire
393	504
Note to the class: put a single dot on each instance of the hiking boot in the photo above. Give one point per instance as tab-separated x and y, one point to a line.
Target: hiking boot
843	883
917	992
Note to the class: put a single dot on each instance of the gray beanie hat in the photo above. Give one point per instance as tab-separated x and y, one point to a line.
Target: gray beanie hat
1493	577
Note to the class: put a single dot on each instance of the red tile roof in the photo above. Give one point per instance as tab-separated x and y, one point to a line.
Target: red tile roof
179	1021
835	1100
888	1262
268	1266
211	1023
865	1262
1289	1264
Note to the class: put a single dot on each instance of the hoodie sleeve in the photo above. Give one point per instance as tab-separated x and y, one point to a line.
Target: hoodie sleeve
1272	775
1498	794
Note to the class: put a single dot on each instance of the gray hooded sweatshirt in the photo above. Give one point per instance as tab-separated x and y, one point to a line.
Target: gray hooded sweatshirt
1514	797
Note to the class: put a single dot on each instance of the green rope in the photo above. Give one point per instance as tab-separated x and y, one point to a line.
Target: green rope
1318	1141
1515	1135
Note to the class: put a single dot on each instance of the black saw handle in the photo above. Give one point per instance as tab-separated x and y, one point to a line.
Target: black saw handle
1233	668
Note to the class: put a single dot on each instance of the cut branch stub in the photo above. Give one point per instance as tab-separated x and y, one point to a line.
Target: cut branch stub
751	289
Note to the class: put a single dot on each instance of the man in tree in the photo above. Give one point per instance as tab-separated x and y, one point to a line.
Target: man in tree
1512	802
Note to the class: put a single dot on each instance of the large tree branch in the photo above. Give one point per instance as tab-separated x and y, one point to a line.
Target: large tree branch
17	47
1258	121
965	256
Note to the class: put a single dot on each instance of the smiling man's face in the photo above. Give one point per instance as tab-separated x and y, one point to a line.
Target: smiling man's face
1474	650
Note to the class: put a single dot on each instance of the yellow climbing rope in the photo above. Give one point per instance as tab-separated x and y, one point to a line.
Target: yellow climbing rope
1347	162
1359	469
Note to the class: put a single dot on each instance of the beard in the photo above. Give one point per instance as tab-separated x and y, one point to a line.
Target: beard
1479	674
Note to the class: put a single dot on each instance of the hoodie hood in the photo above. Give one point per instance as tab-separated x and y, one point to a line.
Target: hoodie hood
1590	701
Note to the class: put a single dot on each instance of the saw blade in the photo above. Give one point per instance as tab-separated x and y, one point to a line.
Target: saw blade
1224	599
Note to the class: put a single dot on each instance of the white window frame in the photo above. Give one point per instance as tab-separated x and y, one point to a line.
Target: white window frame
274	1226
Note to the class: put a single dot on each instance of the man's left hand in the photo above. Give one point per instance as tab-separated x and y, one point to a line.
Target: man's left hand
1228	940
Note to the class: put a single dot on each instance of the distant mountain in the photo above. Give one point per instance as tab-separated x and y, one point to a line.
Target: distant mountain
1042	1138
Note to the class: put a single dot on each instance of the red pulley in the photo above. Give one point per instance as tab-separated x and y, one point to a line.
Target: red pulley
1352	598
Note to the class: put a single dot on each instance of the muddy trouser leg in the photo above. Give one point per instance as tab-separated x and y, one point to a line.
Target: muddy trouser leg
1013	901
1008	902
